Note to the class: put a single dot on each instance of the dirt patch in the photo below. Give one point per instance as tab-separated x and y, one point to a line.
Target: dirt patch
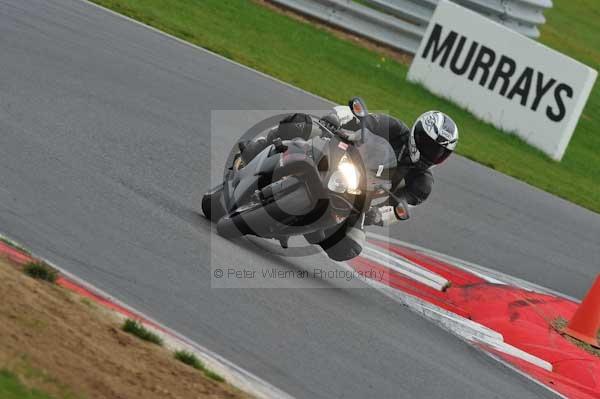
559	324
402	57
65	345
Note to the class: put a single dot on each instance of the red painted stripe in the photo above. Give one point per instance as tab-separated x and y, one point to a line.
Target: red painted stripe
107	303
406	284
449	272
522	317
14	254
22	258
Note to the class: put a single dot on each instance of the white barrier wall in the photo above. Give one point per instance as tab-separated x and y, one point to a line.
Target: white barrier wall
504	78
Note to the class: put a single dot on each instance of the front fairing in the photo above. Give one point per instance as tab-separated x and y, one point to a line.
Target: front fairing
379	161
314	161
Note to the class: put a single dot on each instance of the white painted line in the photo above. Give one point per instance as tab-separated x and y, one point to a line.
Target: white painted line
465	329
451	320
405	267
468	329
490	275
518	353
234	374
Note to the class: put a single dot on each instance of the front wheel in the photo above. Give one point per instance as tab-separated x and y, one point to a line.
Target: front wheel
212	203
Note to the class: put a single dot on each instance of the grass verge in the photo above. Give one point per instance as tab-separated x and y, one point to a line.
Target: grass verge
12	388
54	345
560	324
191	360
41	271
316	60
136	328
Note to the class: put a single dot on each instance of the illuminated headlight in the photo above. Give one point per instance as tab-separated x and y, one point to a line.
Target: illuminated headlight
345	178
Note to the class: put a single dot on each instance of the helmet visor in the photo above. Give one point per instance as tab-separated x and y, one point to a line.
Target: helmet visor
431	150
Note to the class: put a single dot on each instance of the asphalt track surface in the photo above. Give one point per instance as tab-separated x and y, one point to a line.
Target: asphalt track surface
105	150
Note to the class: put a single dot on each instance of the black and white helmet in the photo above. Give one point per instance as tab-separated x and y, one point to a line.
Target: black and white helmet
433	138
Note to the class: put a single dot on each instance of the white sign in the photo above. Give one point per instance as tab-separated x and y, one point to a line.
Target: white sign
504	78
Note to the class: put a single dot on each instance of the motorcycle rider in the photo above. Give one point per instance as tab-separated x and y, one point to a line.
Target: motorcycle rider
432	138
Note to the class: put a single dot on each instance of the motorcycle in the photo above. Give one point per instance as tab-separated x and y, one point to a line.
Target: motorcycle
300	187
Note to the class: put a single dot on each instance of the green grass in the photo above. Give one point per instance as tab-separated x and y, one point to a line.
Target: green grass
12	388
41	271
88	302
191	360
136	328
317	61
29	372
213	376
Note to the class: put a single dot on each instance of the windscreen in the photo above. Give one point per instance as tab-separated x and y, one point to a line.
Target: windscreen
377	154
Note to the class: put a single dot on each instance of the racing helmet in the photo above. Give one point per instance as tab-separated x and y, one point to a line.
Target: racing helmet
433	137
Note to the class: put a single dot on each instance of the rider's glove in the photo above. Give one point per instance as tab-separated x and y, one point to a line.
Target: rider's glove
337	118
381	216
344	114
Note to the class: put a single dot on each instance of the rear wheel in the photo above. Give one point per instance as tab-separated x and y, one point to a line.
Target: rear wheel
212	204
